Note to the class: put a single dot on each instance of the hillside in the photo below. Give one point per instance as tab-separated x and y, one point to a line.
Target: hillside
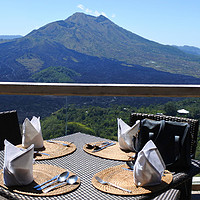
99	121
98	36
28	59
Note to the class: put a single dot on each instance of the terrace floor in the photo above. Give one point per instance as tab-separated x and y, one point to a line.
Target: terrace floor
196	188
195	195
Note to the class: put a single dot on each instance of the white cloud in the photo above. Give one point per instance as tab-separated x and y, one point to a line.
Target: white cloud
81	6
91	12
113	16
96	13
104	14
88	11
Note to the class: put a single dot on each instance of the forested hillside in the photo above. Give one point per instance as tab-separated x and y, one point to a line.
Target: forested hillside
102	121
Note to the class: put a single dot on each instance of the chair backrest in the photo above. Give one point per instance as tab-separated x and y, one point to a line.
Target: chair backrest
9	128
194	125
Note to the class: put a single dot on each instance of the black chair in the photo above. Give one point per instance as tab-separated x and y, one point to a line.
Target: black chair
9	128
185	187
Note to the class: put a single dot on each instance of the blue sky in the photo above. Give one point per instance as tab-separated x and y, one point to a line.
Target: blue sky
173	22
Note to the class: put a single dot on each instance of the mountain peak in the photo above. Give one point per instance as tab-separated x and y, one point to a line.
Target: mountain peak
82	18
99	36
79	17
101	18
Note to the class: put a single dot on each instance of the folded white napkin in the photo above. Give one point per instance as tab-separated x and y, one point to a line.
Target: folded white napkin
32	133
126	134
18	165
149	166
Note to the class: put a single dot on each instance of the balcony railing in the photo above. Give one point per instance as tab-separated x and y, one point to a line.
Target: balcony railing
75	89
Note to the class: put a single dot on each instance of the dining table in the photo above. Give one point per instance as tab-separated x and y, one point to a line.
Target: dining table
85	166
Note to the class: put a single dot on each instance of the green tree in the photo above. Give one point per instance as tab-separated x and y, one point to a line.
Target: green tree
170	108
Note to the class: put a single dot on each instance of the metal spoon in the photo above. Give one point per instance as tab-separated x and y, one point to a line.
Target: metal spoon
61	178
71	180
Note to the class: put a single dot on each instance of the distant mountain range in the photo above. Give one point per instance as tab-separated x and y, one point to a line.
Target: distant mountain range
189	49
9	37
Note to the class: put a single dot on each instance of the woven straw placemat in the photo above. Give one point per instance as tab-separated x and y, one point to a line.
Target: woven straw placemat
54	150
112	152
124	178
42	173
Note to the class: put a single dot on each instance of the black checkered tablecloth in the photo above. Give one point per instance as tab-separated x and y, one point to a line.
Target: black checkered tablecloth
85	166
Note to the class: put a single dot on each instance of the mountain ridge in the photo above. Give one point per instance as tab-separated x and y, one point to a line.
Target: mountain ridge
102	38
189	49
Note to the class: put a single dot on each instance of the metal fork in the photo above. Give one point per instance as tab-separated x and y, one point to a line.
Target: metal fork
97	145
108	183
